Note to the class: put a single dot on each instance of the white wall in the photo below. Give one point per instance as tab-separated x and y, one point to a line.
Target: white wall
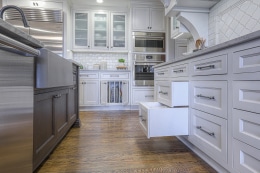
230	19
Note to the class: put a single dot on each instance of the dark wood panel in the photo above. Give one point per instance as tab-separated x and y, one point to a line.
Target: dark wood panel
112	141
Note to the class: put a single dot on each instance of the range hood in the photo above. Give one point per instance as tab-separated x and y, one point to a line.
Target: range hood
179	31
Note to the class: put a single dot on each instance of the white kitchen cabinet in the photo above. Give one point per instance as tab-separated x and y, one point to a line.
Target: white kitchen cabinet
89	89
81	29
148	19
100	30
142	95
157	120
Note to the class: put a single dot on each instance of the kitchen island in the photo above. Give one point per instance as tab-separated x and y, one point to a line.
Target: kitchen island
224	114
38	103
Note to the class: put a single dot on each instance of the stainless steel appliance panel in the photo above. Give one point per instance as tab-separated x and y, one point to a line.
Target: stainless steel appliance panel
45	25
148	42
16	112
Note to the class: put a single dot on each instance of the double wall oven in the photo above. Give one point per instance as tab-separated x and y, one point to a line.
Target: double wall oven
148	50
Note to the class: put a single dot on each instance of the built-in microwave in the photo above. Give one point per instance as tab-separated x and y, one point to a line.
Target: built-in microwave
148	42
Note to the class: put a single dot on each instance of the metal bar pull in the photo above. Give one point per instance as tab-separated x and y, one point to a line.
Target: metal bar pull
149	96
160	73
206	97
57	96
178	71
205	131
206	67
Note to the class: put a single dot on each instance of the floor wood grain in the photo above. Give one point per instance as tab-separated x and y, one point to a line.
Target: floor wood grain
112	141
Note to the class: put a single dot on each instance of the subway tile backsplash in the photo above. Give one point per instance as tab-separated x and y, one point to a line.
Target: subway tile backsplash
89	59
230	19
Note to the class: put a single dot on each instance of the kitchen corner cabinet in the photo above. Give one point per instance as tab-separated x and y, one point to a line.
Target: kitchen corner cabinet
148	19
100	30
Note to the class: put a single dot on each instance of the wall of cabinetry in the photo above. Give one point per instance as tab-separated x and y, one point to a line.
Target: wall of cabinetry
224	104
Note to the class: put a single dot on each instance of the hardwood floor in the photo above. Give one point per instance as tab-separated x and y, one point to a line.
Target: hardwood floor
112	141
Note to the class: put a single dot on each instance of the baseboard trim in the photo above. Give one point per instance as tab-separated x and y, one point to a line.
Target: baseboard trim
110	107
202	155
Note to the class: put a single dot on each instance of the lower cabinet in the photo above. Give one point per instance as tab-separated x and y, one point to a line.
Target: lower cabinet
54	113
89	92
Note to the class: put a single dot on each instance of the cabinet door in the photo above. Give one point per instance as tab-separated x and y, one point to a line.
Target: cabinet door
118	31
141	18
72	104
125	86
91	92
81	30
100	30
157	20
103	92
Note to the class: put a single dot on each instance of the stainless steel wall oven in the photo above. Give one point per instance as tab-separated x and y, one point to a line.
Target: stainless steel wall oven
148	42
143	72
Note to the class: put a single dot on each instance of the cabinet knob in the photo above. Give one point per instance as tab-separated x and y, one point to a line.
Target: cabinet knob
108	47
148	27
88	46
111	47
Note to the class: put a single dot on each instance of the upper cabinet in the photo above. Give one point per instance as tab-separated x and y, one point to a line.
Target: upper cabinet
100	30
148	19
81	30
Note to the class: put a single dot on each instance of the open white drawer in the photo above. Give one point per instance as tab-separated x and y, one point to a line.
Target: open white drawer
158	120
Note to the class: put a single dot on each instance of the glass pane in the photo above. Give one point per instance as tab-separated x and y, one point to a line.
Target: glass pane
81	42
81	29
83	16
100	33
119	31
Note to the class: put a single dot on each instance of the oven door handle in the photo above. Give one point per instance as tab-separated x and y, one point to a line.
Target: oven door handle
149	38
147	63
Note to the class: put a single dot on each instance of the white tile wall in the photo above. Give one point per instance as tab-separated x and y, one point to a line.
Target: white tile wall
230	19
88	59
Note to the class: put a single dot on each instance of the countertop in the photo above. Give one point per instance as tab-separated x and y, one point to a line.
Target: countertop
242	39
108	70
18	35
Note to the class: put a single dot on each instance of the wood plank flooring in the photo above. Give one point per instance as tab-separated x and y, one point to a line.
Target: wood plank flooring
112	141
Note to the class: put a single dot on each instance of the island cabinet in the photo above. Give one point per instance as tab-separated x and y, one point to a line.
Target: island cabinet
148	19
224	106
55	112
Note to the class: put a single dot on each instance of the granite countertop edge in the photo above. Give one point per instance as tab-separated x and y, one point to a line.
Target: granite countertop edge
239	40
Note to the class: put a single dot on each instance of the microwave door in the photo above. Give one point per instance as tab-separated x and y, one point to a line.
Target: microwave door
49	33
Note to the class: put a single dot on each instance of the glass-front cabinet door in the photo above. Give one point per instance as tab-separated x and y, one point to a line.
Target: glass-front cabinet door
118	31
100	28
81	30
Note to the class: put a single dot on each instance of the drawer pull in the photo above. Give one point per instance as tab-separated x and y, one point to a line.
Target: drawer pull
143	119
205	131
160	73
57	96
149	96
73	88
206	97
164	93
206	67
112	75
178	71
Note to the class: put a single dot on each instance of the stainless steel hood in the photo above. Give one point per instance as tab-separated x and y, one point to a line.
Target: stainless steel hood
45	25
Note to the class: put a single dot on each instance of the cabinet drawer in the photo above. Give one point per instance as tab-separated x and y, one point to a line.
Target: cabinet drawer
245	61
89	75
210	96
210	66
209	133
172	93
143	95
246	95
157	120
114	75
161	73
246	127
246	159
179	71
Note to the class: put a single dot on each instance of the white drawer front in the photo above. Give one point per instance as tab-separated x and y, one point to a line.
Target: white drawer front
246	127
245	61
143	95
246	95
210	96
89	75
157	120
215	65
114	75
246	158
179	71
172	93
209	133
161	73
